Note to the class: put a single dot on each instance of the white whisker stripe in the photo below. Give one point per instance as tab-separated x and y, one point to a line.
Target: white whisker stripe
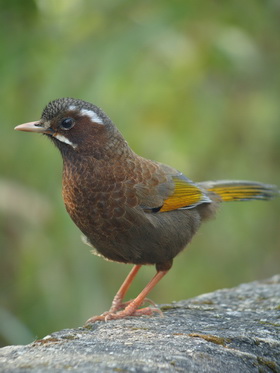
65	140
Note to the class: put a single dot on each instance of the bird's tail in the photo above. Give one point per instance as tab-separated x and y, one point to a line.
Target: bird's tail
228	190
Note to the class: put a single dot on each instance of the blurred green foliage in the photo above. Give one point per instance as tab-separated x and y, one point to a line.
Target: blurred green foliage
195	84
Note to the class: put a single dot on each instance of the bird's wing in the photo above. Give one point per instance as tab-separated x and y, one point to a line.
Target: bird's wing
169	190
186	195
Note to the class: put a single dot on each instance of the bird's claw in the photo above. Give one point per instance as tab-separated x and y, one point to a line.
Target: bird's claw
109	315
116	306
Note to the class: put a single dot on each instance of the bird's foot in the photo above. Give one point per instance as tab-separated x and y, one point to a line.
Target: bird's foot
118	305
128	311
121	310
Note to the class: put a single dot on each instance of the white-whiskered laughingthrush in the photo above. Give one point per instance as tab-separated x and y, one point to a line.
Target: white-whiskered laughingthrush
130	209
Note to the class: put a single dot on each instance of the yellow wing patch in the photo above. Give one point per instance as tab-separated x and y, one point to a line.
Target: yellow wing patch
185	195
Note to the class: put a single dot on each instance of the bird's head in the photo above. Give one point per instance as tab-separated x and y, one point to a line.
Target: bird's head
77	126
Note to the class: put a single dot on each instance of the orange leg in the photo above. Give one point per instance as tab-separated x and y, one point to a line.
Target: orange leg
132	308
118	298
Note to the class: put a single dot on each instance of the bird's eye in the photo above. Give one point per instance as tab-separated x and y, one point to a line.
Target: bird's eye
67	123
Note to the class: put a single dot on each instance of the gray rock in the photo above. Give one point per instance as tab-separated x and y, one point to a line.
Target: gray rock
231	330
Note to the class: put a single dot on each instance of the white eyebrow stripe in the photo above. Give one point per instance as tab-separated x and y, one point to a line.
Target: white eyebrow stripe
92	115
65	140
89	113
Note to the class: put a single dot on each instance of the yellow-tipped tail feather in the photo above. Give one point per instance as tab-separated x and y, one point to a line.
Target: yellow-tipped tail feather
241	190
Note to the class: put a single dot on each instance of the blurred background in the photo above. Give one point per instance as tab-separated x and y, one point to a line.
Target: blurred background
195	84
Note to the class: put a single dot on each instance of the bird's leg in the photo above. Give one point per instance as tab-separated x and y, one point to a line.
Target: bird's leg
118	298
117	303
132	308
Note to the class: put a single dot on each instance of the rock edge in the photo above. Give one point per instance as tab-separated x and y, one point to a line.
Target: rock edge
229	330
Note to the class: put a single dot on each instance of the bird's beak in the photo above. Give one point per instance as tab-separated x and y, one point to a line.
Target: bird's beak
33	127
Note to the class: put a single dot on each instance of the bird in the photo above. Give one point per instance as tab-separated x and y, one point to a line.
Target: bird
129	209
